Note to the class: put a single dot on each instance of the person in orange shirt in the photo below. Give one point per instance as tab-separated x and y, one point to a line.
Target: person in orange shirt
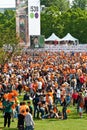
35	85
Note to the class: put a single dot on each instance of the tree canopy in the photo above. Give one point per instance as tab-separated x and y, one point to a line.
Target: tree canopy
8	37
62	5
82	4
8	28
73	21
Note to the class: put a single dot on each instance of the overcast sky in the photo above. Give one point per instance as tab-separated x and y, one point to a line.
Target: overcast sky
9	3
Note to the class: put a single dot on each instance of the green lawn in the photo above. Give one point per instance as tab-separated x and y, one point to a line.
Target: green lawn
74	122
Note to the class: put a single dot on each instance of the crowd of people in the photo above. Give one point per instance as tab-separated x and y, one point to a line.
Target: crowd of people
46	79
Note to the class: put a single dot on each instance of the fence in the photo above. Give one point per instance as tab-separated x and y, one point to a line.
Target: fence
66	48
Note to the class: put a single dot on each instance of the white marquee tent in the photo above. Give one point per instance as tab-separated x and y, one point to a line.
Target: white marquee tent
53	37
69	37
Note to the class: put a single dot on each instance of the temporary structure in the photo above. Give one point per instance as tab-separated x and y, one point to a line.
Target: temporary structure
69	37
53	37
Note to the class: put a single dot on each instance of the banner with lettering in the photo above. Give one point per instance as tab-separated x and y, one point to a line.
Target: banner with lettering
34	17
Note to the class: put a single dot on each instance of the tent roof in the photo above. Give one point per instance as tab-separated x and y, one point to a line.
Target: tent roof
53	37
69	37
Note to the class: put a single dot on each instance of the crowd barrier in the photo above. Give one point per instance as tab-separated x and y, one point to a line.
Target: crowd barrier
66	48
59	48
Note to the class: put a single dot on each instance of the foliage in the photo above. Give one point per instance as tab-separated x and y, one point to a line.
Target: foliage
73	21
8	35
62	5
8	28
2	56
82	4
51	22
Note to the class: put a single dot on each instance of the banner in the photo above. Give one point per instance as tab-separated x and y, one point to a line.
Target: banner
22	20
34	17
37	41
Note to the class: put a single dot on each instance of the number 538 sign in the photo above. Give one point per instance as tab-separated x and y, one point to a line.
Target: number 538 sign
34	12
34	9
34	17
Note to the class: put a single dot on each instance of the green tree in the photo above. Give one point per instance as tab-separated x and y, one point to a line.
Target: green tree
74	21
82	4
8	28
62	5
50	21
8	37
45	2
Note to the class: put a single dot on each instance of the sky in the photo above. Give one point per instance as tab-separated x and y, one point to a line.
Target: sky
9	3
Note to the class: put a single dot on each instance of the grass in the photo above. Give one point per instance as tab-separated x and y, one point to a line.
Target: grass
74	122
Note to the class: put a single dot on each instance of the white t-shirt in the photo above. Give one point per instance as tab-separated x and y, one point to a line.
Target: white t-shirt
39	85
58	95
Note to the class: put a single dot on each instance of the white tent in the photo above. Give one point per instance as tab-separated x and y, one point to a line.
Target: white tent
69	37
53	37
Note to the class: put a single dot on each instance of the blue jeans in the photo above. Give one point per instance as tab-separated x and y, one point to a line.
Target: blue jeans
58	100
36	111
29	127
64	112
